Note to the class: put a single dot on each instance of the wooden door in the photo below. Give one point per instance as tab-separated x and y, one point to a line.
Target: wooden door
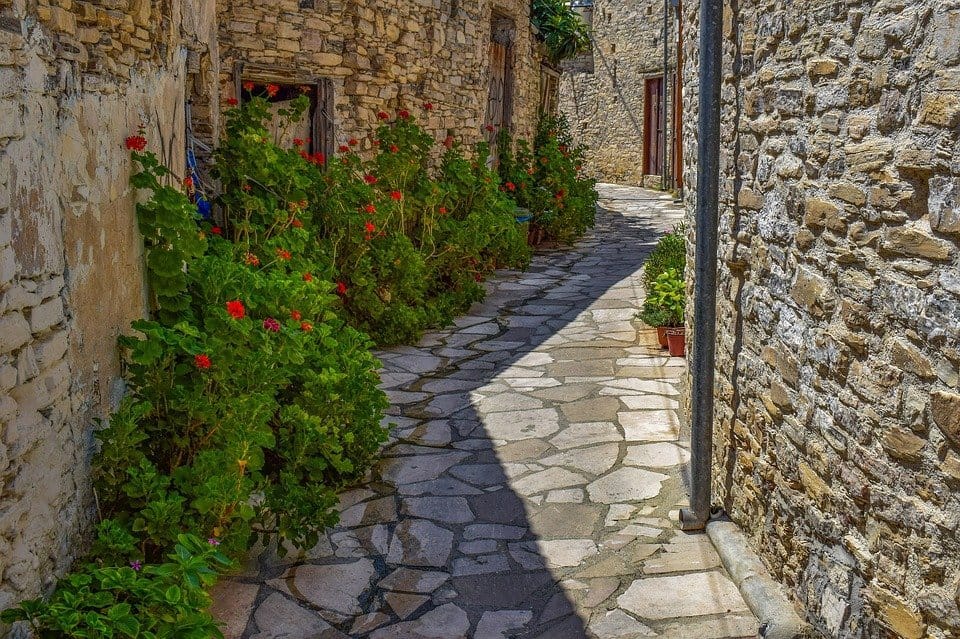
653	147
497	101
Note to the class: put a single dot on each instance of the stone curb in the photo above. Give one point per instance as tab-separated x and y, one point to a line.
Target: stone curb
766	597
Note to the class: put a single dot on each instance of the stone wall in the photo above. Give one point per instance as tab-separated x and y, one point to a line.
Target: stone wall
383	56
602	93
76	78
838	418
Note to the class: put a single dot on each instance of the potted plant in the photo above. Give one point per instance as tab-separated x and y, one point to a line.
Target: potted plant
664	308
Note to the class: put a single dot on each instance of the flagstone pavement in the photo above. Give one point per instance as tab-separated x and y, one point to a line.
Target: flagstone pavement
532	480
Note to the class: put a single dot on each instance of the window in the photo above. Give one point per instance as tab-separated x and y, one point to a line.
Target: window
280	88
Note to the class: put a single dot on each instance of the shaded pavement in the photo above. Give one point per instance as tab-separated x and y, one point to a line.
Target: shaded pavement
531	485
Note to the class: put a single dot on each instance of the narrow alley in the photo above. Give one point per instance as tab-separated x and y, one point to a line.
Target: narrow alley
532	485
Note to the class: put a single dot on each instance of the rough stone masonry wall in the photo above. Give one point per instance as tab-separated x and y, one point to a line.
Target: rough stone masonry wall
384	55
605	103
76	78
838	414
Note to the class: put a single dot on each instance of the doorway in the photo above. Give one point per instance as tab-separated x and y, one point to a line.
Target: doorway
653	142
500	98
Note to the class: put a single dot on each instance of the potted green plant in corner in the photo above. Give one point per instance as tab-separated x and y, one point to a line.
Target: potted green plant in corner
664	308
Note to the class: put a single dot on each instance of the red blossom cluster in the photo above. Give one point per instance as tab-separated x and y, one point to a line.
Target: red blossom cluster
233	102
368	230
317	158
136	143
272	325
307	277
236	310
283	254
370	179
396	196
383	115
341	288
202	361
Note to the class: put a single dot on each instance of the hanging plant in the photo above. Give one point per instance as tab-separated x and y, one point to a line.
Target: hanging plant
561	29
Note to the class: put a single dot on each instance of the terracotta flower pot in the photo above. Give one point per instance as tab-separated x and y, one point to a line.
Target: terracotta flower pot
662	336
677	341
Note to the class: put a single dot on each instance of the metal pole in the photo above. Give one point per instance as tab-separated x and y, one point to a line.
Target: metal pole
703	355
663	111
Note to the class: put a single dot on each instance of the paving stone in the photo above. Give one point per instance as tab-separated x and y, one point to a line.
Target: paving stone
516	425
448	510
625	484
595	460
496	624
493	531
728	627
418	542
592	409
580	435
412	580
550	521
369	512
280	618
233	603
480	474
690	595
559	552
650	425
547	480
565	496
446	622
480	565
522	450
507	402
662	455
688	558
409	470
480	547
404	604
335	587
617	624
365	623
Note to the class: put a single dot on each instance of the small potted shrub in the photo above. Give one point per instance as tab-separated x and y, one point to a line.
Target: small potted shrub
653	315
666	302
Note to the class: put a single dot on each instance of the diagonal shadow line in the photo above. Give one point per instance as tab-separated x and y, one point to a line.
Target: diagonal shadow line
423	469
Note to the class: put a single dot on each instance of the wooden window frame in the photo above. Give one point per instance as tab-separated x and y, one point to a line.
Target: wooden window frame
322	123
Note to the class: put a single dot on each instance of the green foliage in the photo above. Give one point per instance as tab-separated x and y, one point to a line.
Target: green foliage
168	222
561	28
158	601
546	180
666	300
669	253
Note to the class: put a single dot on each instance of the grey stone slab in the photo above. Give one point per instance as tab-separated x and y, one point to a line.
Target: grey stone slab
448	510
650	425
516	425
690	595
660	455
412	580
625	484
580	435
446	622
481	565
439	487
279	618
617	624
506	402
501	624
419	468
493	531
545	480
419	542
480	474
595	460
335	587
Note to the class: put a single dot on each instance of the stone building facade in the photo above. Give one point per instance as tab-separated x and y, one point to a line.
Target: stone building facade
838	415
76	78
613	95
382	56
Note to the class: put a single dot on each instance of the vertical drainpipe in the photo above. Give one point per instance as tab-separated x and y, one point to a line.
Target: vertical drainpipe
703	354
663	111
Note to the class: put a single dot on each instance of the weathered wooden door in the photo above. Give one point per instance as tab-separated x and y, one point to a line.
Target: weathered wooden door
653	151
499	96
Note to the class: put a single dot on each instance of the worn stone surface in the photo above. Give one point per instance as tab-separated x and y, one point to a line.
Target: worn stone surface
527	522
837	419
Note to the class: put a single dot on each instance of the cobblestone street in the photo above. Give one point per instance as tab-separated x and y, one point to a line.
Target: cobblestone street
532	482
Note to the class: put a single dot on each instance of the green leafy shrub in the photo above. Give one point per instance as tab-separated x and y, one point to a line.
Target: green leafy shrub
161	601
560	27
669	253
546	180
666	300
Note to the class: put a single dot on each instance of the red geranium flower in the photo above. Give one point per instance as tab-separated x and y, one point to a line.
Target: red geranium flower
353	142
136	143
247	188
370	179
370	208
383	115
344	148
368	230
341	288
306	327
396	195
295	315
233	101
297	142
272	90
248	86
443	210
394	148
376	143
271	325
511	186
236	309
403	114
202	361
251	259
428	106
307	277
188	182
216	230
297	224
283	254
